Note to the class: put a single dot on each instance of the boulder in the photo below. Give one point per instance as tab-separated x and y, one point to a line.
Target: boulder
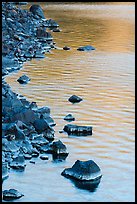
78	130
75	99
83	171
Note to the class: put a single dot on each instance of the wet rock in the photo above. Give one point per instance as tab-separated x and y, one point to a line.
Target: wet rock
78	130
37	10
11	194
23	79
86	48
69	117
5	173
75	99
83	171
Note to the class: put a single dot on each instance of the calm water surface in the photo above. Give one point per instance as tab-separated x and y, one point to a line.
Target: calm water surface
105	79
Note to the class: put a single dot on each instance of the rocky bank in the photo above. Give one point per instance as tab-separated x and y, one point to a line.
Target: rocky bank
27	130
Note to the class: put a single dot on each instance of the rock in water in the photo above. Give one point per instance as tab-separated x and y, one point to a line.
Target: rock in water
23	79
69	117
86	48
75	99
78	130
11	194
83	171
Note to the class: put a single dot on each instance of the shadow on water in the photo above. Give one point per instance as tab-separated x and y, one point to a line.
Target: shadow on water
90	186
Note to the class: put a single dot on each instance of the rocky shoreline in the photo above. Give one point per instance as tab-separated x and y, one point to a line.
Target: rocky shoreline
27	130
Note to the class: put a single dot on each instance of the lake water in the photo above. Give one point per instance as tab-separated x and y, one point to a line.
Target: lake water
105	79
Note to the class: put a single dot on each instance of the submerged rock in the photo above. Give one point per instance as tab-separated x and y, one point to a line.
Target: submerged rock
11	194
78	130
86	48
23	79
75	99
83	171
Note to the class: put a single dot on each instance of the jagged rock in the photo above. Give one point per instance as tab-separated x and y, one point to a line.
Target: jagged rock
75	99
11	194
86	48
78	130
83	171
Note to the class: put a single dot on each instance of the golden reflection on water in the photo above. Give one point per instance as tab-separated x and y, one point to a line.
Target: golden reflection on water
104	79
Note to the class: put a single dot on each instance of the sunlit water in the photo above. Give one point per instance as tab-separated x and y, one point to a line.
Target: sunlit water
105	79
